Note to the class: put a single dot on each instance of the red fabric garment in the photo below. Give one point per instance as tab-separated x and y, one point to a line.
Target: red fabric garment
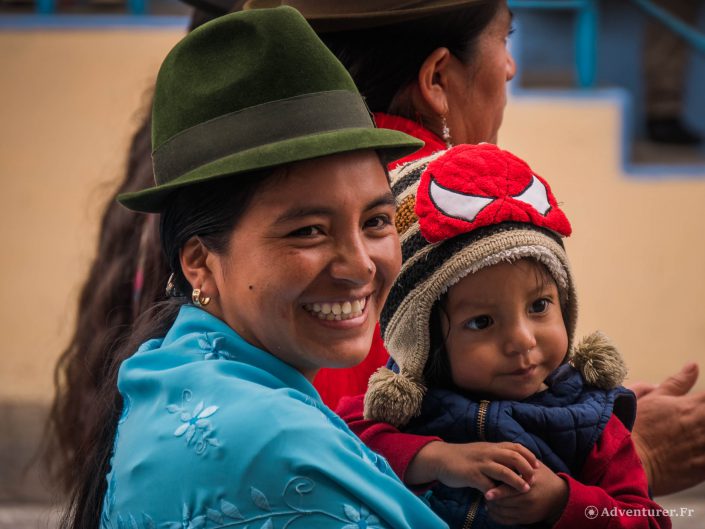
432	142
333	384
612	482
398	448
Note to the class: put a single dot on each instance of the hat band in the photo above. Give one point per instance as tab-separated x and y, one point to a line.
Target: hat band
258	126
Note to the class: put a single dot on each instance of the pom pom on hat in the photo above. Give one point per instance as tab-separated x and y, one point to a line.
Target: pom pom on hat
394	398
599	362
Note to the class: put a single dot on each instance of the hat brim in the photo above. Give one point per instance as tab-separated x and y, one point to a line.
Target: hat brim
390	144
355	18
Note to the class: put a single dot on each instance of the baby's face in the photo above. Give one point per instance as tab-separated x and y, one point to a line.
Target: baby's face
504	330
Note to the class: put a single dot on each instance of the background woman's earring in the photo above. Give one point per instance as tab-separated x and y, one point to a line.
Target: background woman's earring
445	132
198	299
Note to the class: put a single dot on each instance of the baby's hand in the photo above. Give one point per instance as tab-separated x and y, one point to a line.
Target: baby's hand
482	465
544	501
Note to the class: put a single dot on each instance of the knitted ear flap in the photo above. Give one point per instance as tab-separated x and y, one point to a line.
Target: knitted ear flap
393	398
599	362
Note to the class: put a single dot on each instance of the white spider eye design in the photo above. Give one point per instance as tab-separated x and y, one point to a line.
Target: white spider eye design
535	195
457	205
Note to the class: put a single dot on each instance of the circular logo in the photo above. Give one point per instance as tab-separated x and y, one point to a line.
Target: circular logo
591	512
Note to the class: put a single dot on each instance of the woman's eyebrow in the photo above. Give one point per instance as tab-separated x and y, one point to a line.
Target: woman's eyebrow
298	212
384	200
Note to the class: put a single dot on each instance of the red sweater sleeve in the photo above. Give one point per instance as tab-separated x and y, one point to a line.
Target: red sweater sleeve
397	448
612	490
333	384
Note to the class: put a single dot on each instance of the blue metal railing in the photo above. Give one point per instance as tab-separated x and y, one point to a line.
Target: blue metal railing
586	27
134	7
675	24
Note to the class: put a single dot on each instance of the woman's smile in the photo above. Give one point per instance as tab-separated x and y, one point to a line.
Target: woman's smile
347	309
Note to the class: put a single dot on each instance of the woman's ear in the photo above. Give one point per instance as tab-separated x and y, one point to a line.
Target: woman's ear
433	81
197	263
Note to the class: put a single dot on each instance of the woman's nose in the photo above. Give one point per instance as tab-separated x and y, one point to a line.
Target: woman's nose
519	338
352	262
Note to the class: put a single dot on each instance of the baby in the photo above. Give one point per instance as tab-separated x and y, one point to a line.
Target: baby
479	325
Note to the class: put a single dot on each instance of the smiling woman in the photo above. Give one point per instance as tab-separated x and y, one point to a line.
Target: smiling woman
328	226
277	221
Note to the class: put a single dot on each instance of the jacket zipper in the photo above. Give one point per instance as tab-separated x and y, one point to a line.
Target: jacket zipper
481	419
472	512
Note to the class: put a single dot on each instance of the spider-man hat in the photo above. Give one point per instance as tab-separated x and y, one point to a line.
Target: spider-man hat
460	210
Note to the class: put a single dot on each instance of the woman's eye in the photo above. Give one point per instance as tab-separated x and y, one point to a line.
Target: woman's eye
307	231
479	323
509	34
540	305
380	221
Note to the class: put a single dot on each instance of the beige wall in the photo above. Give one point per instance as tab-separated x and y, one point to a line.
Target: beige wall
70	101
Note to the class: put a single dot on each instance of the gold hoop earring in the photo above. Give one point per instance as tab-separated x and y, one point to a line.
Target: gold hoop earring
198	299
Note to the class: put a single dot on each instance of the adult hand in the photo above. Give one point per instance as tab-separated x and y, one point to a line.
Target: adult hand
543	502
669	432
477	465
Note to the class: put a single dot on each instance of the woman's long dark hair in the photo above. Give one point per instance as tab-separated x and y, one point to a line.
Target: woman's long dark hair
210	212
384	60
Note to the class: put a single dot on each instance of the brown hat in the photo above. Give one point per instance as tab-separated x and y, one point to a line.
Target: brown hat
341	15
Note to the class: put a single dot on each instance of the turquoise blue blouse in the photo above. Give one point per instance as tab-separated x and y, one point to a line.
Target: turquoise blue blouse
216	433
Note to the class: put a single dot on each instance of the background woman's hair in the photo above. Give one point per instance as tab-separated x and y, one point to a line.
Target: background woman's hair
209	211
127	276
385	60
107	306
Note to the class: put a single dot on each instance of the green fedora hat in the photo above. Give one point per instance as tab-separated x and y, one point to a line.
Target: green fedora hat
250	91
341	15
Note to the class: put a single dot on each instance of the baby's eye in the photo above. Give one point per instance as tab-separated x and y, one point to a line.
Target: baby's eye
539	306
306	231
479	323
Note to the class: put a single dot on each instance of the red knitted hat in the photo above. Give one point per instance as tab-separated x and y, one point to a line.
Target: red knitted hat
480	185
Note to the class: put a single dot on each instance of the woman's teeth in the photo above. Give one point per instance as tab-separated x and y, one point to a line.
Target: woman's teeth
337	311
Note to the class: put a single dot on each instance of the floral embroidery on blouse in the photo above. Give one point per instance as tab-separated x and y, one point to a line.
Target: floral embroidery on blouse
195	428
211	348
361	518
268	515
